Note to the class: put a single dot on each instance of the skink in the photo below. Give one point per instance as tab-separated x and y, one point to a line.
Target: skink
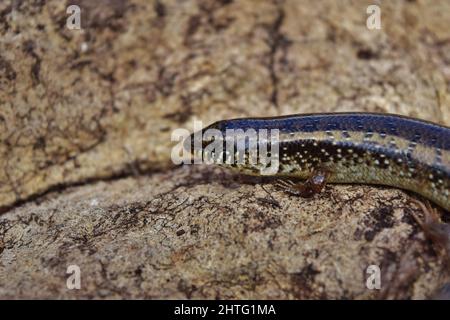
366	148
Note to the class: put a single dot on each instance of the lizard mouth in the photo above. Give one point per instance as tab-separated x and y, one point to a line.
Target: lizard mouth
195	143
199	140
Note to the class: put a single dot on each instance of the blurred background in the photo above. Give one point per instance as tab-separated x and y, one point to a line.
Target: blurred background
79	104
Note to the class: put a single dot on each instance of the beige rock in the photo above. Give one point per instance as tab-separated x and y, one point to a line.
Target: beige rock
199	232
99	104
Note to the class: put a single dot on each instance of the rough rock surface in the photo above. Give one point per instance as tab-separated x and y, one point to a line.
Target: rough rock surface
96	107
198	232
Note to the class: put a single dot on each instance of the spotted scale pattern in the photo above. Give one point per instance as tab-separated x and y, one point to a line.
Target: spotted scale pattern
364	148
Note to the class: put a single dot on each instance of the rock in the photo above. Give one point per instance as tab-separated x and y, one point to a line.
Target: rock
86	118
199	232
85	104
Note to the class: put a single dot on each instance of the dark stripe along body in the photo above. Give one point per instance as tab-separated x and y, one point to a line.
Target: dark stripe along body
367	148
